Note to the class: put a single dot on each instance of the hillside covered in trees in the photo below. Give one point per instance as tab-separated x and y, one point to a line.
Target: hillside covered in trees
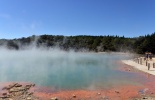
85	43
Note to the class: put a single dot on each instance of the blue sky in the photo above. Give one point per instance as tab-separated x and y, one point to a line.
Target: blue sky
22	18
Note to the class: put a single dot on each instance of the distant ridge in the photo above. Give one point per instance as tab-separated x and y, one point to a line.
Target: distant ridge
84	43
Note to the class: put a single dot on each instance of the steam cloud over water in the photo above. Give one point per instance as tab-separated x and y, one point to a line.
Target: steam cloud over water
60	69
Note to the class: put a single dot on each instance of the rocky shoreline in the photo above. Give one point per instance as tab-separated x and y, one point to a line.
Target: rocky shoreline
16	91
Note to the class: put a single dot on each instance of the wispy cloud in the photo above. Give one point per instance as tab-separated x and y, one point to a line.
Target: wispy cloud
5	16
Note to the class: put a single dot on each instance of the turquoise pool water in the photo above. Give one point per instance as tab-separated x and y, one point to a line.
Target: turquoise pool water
64	70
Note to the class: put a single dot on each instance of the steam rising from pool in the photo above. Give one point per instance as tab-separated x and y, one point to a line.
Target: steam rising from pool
62	70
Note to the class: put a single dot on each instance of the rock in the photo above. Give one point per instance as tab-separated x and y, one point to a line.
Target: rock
4	93
28	86
116	91
30	93
74	96
16	91
18	85
54	98
10	86
145	97
28	98
99	93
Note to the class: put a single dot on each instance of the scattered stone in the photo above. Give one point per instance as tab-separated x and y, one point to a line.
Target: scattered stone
16	91
4	93
54	98
117	92
30	93
28	86
99	93
74	96
145	97
28	98
10	86
18	85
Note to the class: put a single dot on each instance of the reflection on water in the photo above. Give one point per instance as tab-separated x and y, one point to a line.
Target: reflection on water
63	70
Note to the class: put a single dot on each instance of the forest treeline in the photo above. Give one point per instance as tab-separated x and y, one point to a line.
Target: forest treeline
108	43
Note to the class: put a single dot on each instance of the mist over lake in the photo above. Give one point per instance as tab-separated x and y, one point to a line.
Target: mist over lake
63	70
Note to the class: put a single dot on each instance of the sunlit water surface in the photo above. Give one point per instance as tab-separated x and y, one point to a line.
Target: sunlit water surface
64	70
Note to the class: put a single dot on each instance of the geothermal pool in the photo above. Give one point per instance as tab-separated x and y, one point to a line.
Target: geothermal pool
64	70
